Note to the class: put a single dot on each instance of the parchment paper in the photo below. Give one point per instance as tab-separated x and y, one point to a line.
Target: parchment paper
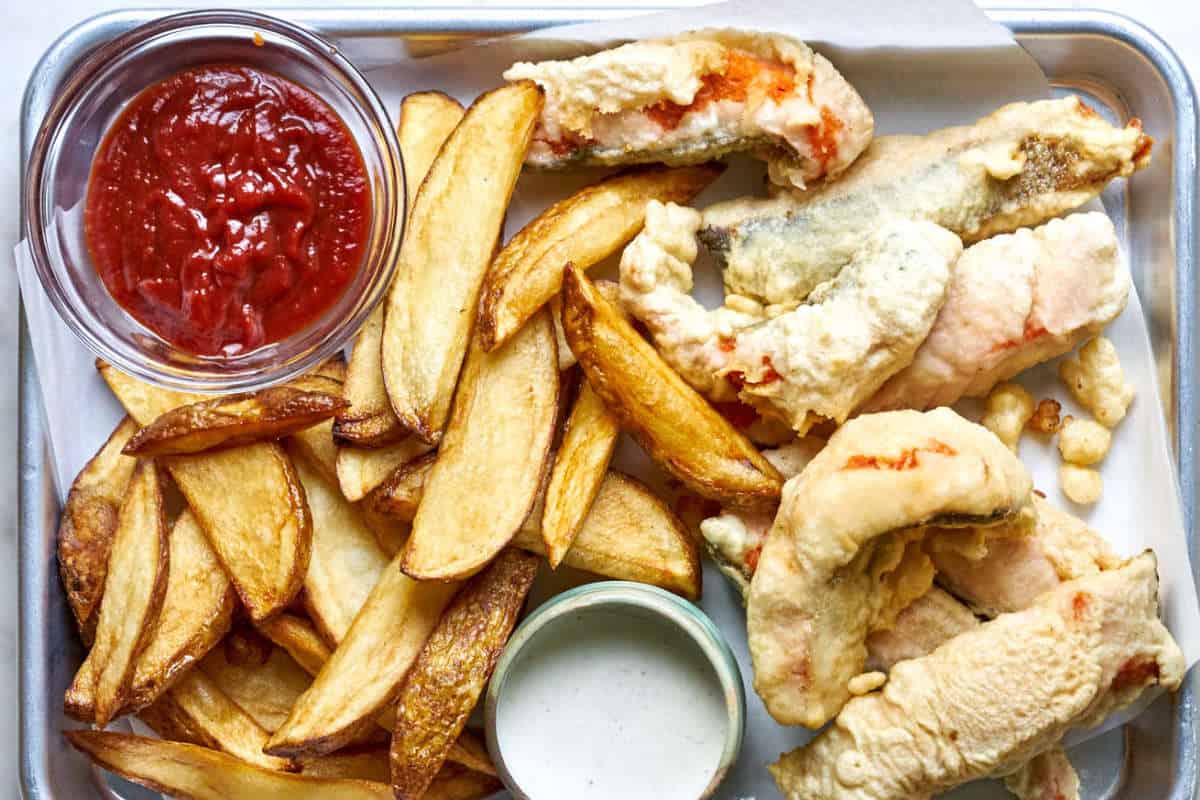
919	65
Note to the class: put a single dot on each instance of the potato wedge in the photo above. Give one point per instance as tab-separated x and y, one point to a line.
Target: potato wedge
89	520
431	305
454	782
196	612
445	682
346	559
583	230
133	595
361	471
399	495
502	425
316	443
629	534
356	763
239	419
673	424
186	770
247	499
426	119
364	672
196	710
260	677
580	465
300	639
390	532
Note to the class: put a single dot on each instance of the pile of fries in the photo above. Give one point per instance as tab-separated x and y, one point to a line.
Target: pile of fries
304	589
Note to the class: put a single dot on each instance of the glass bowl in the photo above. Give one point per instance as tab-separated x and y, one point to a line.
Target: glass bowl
90	100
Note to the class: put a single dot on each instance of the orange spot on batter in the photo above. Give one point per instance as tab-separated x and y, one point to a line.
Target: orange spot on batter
1135	672
908	459
742	71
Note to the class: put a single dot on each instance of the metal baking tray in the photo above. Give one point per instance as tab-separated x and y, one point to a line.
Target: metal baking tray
1124	69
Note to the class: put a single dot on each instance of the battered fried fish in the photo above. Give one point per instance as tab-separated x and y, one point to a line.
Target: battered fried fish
818	361
1022	165
990	699
1015	301
695	97
845	551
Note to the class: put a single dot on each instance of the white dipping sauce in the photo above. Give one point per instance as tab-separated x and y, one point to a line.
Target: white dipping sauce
611	704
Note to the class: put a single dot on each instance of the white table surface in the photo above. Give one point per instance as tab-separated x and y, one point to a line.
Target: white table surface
29	26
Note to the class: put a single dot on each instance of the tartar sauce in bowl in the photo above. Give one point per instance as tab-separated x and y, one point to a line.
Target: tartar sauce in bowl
615	689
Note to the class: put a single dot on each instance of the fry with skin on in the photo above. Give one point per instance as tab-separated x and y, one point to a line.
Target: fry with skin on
587	446
445	682
238	419
502	425
133	594
431	306
198	711
346	559
196	612
400	494
673	424
89	520
365	671
185	770
302	642
361	471
247	499
426	119
583	229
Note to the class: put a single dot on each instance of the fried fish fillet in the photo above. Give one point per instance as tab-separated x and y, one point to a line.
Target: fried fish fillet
844	551
820	360
1021	165
990	699
693	98
1016	300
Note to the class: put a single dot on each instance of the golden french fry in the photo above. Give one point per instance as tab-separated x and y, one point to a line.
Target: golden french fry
583	229
365	670
580	465
302	642
431	306
360	471
299	639
629	534
239	419
369	763
503	425
89	520
673	424
196	612
445	682
186	770
316	443
261	678
133	594
247	500
390	532
426	119
399	495
346	559
454	782
196	710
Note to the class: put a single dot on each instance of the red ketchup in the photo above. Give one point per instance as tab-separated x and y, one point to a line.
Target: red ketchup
227	209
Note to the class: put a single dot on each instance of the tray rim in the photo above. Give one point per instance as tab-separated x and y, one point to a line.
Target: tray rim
33	510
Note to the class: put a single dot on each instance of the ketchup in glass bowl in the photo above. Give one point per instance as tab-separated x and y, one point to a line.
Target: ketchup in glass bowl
215	201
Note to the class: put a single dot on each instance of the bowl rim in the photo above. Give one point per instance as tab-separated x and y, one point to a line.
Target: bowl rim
685	616
180	377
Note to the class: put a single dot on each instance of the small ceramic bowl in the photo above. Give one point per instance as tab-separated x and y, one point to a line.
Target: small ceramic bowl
633	599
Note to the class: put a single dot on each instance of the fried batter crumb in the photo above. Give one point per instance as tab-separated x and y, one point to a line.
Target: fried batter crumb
1045	417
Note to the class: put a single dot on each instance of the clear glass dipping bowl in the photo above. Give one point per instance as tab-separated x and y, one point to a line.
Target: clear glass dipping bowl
95	94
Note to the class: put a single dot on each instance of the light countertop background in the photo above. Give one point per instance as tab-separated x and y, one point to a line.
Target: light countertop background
27	29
